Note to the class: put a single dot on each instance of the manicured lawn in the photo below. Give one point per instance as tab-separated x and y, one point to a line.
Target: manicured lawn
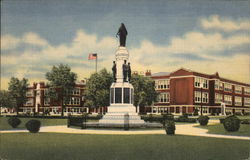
44	122
219	129
51	146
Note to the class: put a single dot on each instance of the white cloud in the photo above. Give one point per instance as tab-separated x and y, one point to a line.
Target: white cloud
227	25
9	42
205	44
158	58
34	39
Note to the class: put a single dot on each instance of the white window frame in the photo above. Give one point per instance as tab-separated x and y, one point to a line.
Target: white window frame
228	99
197	97
246	101
228	87
247	90
238	89
217	84
200	82
205	97
164	98
162	84
218	98
238	101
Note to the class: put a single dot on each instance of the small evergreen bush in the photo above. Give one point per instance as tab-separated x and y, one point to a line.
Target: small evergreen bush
196	112
203	120
170	127
232	123
33	126
14	122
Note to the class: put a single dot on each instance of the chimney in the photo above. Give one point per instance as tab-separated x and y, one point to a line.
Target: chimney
148	73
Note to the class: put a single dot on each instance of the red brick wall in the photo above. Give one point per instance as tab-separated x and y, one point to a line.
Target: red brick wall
181	91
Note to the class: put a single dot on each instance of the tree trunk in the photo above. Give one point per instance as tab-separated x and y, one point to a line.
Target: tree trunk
62	112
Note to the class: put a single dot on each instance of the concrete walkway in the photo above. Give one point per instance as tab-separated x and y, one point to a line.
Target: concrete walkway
182	129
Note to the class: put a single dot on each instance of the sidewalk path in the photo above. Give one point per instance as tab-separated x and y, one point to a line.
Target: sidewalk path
182	129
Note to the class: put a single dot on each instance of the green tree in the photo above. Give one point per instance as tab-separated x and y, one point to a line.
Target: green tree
17	91
62	81
144	90
97	89
6	100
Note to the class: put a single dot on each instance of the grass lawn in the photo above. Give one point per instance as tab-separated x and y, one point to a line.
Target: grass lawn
44	122
219	129
52	146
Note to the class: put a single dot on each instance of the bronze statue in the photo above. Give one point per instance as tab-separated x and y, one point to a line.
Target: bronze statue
114	71
129	72
125	71
122	32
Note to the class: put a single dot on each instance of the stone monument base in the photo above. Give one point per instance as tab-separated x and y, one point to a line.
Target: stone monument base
120	114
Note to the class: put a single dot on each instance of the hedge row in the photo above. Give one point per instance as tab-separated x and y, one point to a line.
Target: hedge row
91	117
162	118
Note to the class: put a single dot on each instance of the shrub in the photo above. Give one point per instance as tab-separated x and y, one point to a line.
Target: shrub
170	127
222	120
203	120
232	123
33	126
14	122
245	121
196	112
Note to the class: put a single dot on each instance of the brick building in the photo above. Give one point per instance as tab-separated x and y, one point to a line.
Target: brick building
183	91
38	102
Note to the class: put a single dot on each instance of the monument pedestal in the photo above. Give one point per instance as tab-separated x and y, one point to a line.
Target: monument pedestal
121	109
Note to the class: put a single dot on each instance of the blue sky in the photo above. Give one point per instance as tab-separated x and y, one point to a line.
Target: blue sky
205	36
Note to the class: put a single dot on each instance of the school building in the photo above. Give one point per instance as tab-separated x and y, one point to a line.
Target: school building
183	91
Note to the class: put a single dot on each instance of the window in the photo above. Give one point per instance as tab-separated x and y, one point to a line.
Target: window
27	110
74	101
246	101
238	89
200	82
228	99
46	101
29	102
197	97
216	84
76	91
29	93
204	97
218	98
227	87
247	90
55	110
164	98
221	85
238	101
162	84
197	82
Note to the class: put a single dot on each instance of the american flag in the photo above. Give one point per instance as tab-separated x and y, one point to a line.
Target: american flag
92	56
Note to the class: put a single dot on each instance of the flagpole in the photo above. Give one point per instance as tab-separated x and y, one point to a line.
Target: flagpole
96	64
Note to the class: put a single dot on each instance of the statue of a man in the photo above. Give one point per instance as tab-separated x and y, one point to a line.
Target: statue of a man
125	71
122	32
129	72
114	71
